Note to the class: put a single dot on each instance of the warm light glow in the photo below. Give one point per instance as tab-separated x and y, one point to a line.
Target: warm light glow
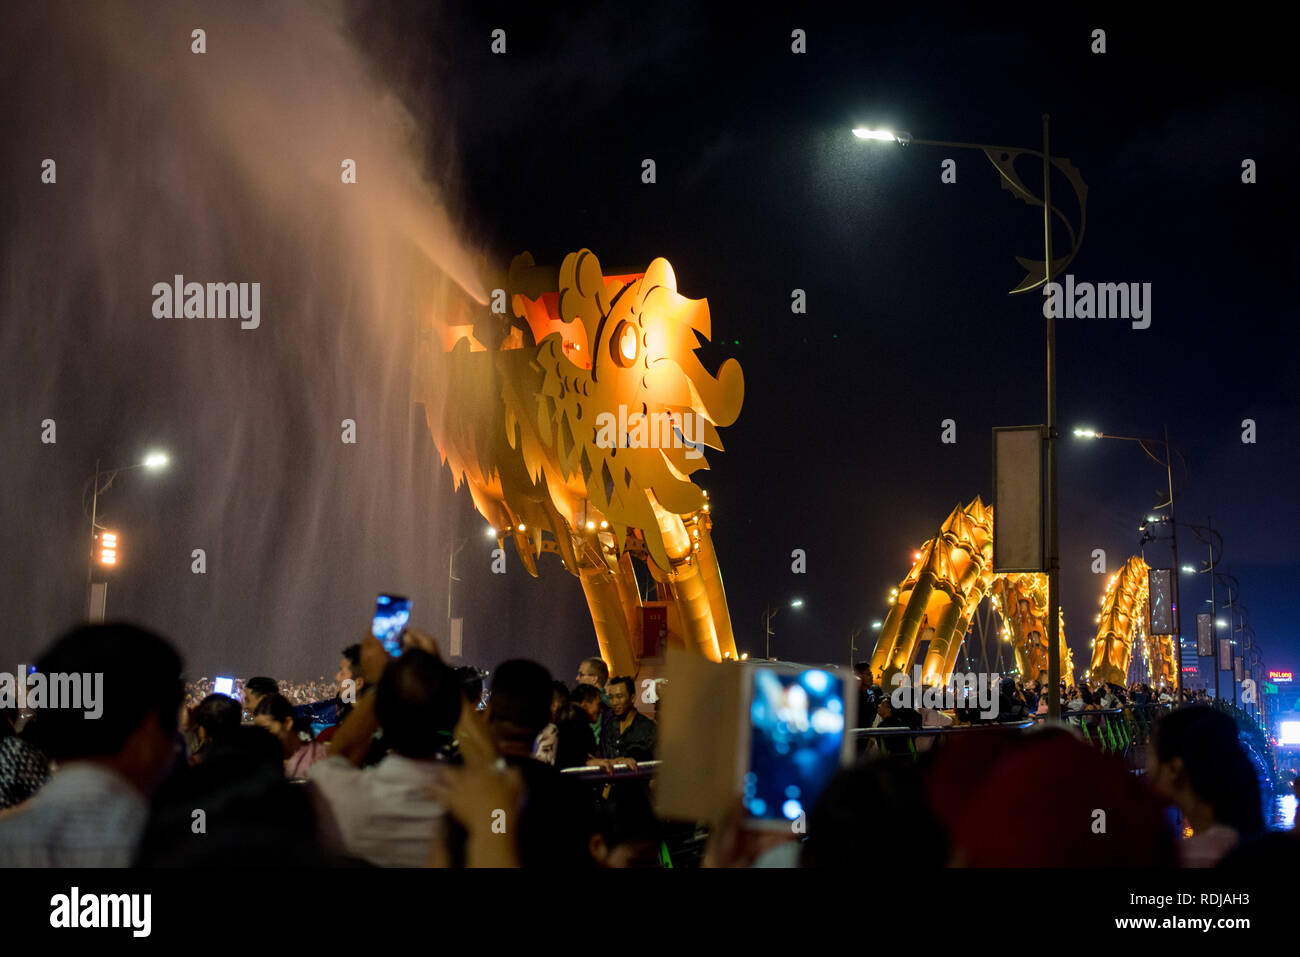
521	526
745	656
155	460
1086	434
627	342
591	526
604	524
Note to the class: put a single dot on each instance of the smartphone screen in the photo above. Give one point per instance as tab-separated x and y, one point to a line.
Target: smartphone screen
798	725
392	612
225	686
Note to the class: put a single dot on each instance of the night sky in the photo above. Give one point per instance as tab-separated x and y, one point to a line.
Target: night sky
761	189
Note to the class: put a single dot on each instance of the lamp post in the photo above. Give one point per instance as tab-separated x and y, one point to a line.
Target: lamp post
1210	538
853	637
1173	528
153	461
1003	159
768	615
451	578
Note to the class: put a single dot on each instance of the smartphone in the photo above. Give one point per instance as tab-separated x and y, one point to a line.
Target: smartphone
392	613
798	738
225	686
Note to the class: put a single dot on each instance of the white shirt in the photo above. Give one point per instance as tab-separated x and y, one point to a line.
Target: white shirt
545	745
86	816
383	813
932	718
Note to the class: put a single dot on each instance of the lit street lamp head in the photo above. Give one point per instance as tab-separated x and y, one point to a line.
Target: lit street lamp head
155	460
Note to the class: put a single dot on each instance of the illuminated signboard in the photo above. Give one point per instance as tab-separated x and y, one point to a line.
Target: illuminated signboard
1288	733
1281	677
1189	669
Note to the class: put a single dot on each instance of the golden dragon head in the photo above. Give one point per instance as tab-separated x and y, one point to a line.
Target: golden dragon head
625	408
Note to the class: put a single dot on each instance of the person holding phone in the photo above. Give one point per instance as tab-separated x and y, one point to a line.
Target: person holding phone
384	813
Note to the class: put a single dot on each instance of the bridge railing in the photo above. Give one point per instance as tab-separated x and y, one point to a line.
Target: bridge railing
622	771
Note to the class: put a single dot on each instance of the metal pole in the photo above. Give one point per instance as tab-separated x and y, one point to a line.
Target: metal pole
90	562
1178	607
1232	631
1053	562
1214	614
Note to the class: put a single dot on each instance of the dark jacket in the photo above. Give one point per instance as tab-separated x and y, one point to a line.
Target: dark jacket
608	743
638	741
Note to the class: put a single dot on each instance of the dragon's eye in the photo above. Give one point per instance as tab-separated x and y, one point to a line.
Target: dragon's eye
624	344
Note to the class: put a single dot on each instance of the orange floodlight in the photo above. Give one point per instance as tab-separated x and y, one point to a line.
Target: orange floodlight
108	548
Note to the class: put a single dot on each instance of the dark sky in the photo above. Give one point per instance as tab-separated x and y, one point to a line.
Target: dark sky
761	189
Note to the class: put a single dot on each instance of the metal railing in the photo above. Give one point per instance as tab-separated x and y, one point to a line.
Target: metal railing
644	770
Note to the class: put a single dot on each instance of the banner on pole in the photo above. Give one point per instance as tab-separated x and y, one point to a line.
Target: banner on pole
1160	590
1018	500
1204	636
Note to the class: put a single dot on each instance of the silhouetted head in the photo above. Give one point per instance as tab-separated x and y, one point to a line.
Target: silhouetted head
418	704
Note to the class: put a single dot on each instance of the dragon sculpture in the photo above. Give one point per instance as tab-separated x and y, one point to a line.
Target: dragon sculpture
953	573
1122	629
576	419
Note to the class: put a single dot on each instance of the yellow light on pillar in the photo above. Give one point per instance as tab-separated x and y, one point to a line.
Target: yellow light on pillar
108	548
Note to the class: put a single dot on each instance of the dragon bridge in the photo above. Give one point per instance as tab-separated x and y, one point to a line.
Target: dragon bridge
1122	630
953	573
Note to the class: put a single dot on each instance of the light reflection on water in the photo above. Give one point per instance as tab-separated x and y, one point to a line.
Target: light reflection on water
1281	813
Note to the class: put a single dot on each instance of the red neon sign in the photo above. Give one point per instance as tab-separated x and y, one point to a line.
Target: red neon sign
1284	677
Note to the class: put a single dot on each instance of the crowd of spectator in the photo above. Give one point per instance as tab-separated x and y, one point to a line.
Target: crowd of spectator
408	761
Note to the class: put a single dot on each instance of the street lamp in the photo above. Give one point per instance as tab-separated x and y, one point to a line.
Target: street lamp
1210	538
153	461
1173	526
768	615
1004	160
